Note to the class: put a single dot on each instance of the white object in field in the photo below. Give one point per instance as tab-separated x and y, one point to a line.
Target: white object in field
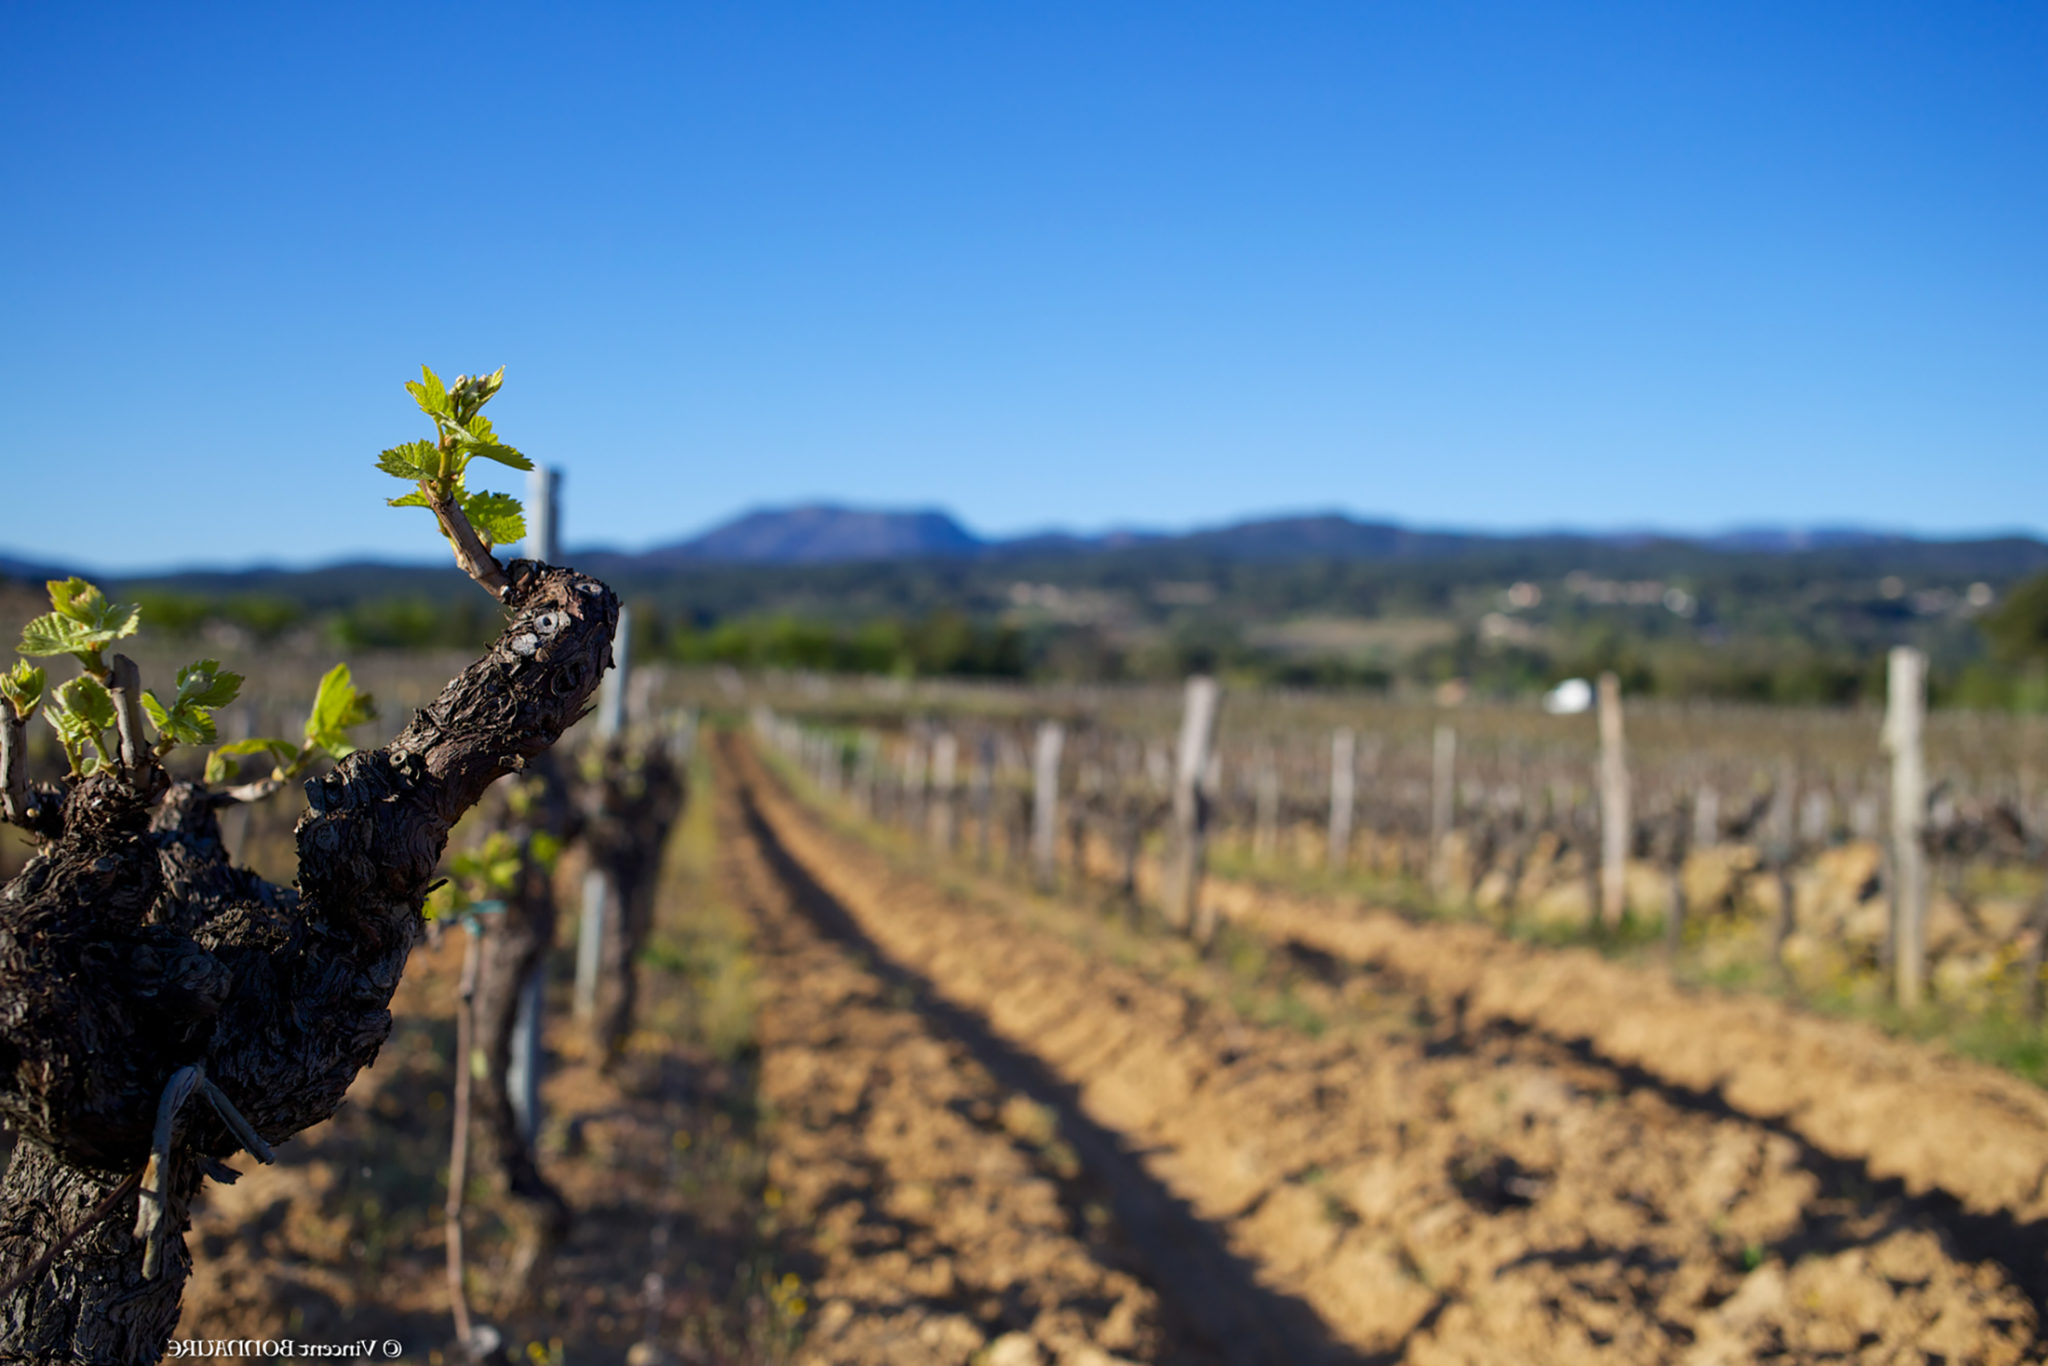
1905	710
1569	698
1343	795
1045	804
1614	812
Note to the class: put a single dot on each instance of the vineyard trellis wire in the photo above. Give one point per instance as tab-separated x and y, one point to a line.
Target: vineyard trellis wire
1759	843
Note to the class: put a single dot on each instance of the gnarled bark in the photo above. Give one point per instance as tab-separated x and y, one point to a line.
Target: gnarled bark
637	799
129	948
514	949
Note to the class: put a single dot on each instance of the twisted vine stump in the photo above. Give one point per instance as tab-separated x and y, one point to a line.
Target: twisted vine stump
515	950
130	949
638	799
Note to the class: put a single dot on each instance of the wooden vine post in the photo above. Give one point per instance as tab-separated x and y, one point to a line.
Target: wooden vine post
1266	802
1443	804
1343	795
600	891
1904	724
945	789
1781	849
1045	803
982	797
1614	805
522	1077
1191	806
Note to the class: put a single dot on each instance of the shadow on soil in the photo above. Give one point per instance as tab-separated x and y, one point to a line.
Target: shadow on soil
2018	1246
1212	1291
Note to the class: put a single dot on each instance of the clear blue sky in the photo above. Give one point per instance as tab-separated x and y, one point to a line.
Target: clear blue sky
1497	266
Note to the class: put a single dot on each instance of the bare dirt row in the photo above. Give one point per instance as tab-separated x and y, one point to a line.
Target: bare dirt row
944	1218
1340	1160
1931	1121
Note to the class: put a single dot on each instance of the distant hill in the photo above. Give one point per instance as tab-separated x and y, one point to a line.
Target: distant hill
823	538
1753	613
1331	536
825	533
31	570
822	533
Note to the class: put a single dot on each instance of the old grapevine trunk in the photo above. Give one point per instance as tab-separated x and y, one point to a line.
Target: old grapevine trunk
637	804
513	950
130	949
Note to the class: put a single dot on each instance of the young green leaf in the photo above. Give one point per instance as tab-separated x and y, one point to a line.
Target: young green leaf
85	702
82	623
497	517
203	688
179	723
415	499
221	766
491	450
493	868
80	712
474	875
431	395
81	601
207	684
413	460
336	707
22	688
53	634
545	849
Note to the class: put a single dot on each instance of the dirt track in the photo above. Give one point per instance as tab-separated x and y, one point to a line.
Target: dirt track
1435	1175
945	1217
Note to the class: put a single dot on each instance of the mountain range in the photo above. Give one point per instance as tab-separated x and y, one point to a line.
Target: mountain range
829	534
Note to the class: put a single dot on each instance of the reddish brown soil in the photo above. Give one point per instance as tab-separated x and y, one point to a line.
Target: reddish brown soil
943	1216
342	1240
980	1125
1932	1121
1444	1175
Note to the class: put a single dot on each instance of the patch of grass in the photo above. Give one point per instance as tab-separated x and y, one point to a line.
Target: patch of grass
702	938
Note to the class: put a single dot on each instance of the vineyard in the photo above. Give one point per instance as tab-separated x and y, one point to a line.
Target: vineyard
596	1012
1750	846
946	1049
1339	685
979	1022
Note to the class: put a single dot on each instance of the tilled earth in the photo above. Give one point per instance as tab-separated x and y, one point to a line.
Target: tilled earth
1373	1171
973	1124
945	1216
